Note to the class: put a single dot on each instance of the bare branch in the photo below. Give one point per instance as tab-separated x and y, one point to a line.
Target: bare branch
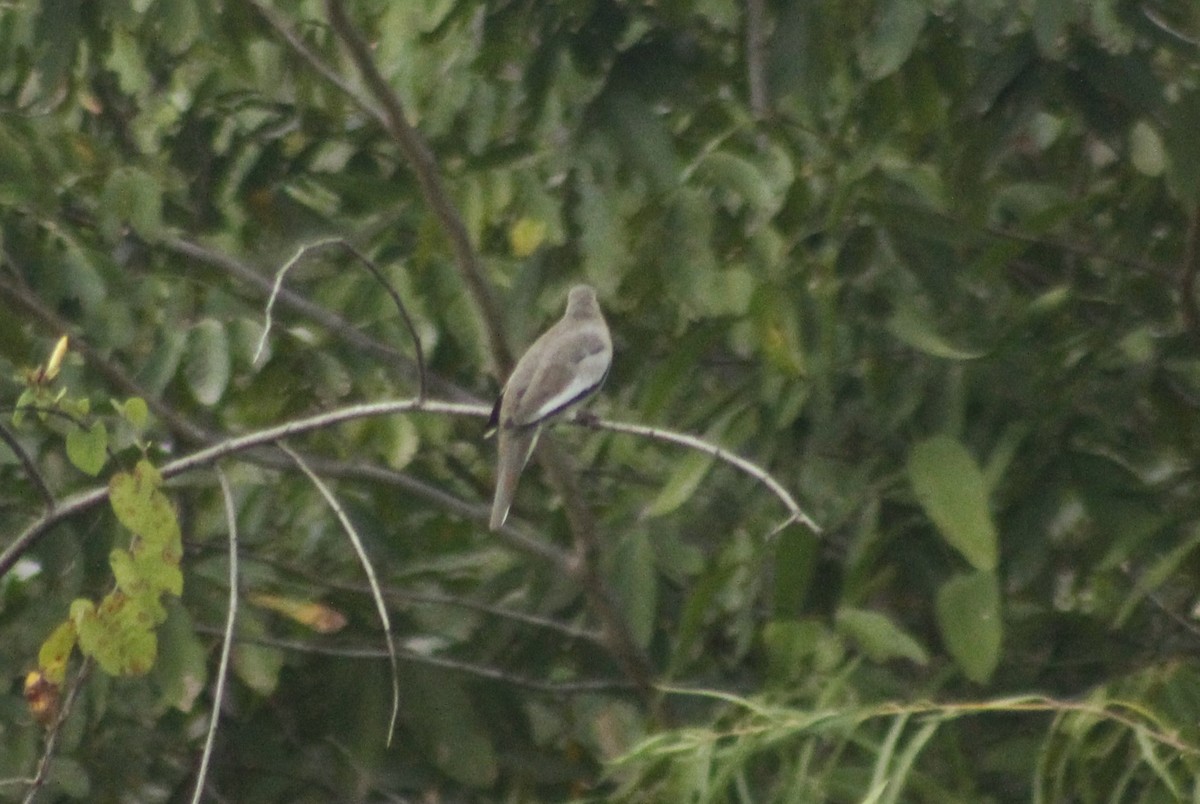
338	242
52	737
31	470
796	514
226	637
376	593
332	322
203	457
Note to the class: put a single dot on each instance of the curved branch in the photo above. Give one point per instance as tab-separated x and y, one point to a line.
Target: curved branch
84	500
207	455
28	465
309	248
796	513
226	636
332	322
363	559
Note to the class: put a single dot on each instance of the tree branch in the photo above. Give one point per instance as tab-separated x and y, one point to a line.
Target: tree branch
338	242
332	322
424	166
31	470
368	568
796	513
226	636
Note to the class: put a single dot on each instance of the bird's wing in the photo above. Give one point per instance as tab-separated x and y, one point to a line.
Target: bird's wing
571	367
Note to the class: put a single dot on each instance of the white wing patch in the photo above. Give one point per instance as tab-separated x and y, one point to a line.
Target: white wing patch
587	377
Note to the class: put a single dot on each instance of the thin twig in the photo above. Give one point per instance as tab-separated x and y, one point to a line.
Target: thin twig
301	49
467	668
338	242
376	592
31	470
43	769
226	637
332	322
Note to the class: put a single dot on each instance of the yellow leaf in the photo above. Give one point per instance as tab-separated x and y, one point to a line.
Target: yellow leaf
525	236
317	616
56	358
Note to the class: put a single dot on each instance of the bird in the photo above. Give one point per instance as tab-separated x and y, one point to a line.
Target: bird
564	366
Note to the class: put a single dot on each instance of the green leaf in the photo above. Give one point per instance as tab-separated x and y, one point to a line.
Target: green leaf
635	582
206	362
896	33
134	410
878	637
88	449
739	176
950	487
131	197
55	652
182	668
689	472
1050	21
1156	575
1146	150
140	506
258	666
913	328
116	634
448	723
968	616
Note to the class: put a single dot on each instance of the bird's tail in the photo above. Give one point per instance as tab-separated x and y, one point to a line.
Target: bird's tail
515	447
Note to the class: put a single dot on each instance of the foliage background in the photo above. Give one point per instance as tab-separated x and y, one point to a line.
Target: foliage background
929	262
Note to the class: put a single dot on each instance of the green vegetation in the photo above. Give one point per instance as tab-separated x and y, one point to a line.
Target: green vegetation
923	270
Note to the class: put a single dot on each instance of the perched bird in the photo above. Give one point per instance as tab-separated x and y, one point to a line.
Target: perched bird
566	365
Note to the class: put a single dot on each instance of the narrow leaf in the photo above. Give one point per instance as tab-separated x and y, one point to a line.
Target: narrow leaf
914	329
682	485
206	361
879	637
